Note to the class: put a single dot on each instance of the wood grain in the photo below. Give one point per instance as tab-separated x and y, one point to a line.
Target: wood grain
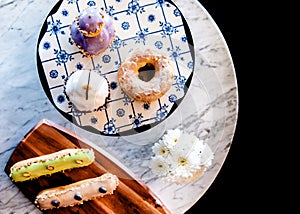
131	196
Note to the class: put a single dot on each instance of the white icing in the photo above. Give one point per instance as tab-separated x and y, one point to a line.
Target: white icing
87	90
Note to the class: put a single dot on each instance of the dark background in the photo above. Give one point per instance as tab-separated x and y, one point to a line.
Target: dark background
231	191
258	175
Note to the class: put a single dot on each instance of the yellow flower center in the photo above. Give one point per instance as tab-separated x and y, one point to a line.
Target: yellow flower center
160	166
182	161
163	151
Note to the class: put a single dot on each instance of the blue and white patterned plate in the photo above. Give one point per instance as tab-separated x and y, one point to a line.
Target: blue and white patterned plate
155	24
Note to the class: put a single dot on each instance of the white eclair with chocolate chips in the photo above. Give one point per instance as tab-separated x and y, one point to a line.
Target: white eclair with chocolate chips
77	193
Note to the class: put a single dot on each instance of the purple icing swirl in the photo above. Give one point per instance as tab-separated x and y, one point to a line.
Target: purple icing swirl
90	22
92	32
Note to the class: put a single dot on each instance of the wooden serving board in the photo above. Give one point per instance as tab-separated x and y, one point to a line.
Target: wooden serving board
131	196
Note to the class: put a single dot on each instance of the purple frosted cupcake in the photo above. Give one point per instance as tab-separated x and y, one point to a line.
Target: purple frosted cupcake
92	31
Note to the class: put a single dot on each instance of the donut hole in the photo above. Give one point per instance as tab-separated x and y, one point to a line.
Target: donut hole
147	72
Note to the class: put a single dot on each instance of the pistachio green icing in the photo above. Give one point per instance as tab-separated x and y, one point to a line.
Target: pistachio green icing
48	167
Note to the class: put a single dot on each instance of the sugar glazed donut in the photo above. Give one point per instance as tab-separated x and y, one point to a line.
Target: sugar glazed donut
146	76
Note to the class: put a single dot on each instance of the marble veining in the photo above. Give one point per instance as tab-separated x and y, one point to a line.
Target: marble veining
209	108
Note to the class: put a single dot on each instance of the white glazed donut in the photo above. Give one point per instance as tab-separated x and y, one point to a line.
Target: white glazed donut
151	89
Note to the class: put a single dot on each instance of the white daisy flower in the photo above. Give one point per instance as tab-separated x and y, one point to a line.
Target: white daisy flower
160	149
185	144
171	138
179	155
198	145
159	166
188	160
207	156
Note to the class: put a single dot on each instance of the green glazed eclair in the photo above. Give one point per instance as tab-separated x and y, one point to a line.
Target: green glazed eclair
51	163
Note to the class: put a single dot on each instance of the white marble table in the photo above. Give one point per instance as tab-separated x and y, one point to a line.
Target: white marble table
209	109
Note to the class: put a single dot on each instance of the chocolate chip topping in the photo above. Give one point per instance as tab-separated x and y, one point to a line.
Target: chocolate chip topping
102	190
55	203
78	197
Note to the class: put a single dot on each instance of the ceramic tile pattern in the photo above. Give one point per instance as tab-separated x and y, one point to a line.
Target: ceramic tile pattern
157	25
